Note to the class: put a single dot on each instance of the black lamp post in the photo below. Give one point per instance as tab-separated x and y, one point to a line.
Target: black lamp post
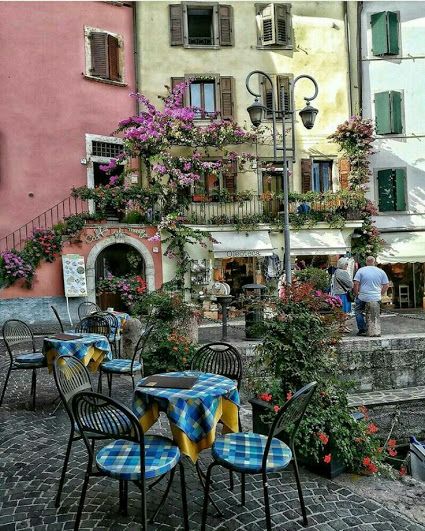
308	117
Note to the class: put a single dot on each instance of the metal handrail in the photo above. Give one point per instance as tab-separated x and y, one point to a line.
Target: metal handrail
46	220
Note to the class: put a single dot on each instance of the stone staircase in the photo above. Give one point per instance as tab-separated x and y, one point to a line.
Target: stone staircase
389	377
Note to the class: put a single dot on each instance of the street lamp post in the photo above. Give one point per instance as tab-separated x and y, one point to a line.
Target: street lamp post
308	116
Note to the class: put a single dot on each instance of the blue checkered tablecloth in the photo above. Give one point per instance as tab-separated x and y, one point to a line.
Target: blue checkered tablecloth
78	347
192	410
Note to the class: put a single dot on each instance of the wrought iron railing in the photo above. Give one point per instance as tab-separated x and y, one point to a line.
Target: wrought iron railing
46	220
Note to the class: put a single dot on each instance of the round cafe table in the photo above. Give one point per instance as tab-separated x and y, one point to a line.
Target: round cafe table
193	413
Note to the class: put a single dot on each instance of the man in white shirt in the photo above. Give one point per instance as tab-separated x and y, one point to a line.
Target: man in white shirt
370	283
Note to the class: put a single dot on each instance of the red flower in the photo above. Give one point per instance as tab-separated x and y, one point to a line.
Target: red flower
265	396
402	471
289	395
391	443
276	408
327	458
372	428
366	461
372	468
392	452
323	437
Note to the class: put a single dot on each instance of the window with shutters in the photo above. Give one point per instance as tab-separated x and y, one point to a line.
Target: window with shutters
218	185
274	27
316	175
209	94
388	113
392	189
195	25
104	56
281	83
385	33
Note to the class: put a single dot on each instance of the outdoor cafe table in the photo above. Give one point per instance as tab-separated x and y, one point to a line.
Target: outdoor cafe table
193	413
91	349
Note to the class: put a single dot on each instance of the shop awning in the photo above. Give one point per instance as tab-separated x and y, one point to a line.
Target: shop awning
324	242
242	244
402	247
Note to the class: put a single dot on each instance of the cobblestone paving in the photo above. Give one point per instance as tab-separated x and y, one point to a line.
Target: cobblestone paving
32	446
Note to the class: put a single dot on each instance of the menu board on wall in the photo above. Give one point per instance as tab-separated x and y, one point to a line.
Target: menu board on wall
74	275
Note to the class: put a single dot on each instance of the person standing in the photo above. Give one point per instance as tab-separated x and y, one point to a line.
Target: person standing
370	283
341	284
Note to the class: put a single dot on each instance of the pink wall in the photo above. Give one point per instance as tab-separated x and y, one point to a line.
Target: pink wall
48	280
47	106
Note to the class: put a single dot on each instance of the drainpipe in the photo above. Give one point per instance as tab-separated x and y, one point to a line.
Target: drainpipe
136	55
359	56
347	43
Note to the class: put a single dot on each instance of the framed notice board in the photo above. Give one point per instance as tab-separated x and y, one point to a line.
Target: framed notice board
74	275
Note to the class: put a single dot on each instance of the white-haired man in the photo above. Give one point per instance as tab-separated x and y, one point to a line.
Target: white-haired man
370	283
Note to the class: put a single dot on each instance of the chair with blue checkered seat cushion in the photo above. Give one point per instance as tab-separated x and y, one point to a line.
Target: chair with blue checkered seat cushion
125	366
93	324
251	453
20	346
130	456
114	338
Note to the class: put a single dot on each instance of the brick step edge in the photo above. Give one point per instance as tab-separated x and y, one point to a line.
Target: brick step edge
387	396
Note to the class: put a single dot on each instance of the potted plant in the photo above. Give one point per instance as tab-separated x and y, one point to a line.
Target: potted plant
298	348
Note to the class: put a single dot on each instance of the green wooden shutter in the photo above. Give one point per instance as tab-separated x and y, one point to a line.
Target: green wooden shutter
378	22
392	33
395	106
386	190
225	23
383	113
400	189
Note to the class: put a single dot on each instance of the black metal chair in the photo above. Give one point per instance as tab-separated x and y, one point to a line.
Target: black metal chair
58	318
87	308
125	366
251	453
71	376
131	456
114	337
93	324
17	334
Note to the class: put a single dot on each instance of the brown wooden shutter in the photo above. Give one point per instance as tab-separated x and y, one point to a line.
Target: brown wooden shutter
99	54
113	58
226	97
344	173
176	25
306	169
225	20
230	173
176	81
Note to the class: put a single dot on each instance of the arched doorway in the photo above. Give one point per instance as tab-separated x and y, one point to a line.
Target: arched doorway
117	260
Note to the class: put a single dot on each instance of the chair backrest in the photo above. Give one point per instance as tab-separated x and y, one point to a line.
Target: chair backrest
71	377
87	308
104	416
112	322
58	318
289	417
16	332
94	324
141	344
219	358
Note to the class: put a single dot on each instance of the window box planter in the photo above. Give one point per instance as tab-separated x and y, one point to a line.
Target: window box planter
199	198
327	470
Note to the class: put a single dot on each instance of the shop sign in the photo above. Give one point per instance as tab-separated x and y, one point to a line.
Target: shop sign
119	233
242	254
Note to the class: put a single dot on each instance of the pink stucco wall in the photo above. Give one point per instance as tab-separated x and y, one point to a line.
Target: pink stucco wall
47	106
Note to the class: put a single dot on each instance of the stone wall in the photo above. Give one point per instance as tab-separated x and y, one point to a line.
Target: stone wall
389	362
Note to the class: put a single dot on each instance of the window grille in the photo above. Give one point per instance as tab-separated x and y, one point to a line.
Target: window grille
106	149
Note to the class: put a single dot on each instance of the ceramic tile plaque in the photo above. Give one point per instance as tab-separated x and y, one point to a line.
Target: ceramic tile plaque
74	275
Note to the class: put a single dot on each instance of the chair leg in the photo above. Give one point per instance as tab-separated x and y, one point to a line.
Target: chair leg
132	379
82	497
267	502
64	467
99	383
231	482
300	492
5	384
206	496
109	378
144	510
123	488
164	496
34	387
184	497
243	489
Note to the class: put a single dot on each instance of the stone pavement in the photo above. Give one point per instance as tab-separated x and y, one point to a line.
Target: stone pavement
32	446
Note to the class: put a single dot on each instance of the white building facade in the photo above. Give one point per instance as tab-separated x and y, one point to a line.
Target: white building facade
392	74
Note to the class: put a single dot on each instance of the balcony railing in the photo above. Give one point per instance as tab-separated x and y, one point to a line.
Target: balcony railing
260	210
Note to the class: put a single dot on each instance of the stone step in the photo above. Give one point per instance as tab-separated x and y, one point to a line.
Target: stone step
387	397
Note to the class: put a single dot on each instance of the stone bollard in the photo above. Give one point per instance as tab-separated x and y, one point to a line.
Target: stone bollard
373	318
130	337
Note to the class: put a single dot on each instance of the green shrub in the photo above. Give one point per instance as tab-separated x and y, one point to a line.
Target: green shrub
313	275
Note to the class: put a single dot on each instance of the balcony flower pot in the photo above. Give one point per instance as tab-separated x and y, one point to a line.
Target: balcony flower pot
260	408
199	198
